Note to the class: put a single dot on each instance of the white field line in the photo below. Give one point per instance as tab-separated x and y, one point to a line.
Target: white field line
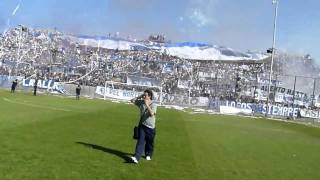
35	105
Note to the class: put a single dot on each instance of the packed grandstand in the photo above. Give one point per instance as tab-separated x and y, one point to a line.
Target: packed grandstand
187	74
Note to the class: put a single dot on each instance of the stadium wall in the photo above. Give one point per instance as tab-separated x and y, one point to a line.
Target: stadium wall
304	115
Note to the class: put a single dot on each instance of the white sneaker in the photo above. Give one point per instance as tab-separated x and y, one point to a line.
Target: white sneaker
134	159
148	158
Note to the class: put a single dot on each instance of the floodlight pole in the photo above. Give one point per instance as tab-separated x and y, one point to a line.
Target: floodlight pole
276	2
19	50
190	86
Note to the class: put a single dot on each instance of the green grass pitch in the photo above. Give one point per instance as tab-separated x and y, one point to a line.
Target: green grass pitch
49	137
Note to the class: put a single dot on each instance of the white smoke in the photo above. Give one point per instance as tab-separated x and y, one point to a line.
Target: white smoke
16	9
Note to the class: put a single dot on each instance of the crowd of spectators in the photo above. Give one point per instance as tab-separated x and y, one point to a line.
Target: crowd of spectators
48	54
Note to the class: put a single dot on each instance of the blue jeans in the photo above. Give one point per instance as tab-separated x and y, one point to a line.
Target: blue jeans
146	141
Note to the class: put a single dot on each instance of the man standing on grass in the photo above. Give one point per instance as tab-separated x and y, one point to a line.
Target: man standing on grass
146	126
35	87
14	85
78	89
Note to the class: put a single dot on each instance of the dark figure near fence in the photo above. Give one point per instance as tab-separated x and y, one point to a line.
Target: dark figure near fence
35	87
78	89
14	85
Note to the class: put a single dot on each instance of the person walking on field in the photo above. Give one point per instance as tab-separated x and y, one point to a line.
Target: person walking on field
146	127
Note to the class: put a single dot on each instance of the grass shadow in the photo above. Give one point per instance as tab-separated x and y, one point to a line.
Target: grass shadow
123	155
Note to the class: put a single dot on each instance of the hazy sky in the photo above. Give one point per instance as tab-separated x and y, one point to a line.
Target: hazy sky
239	24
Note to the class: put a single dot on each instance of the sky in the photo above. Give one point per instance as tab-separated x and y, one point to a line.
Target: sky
239	24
